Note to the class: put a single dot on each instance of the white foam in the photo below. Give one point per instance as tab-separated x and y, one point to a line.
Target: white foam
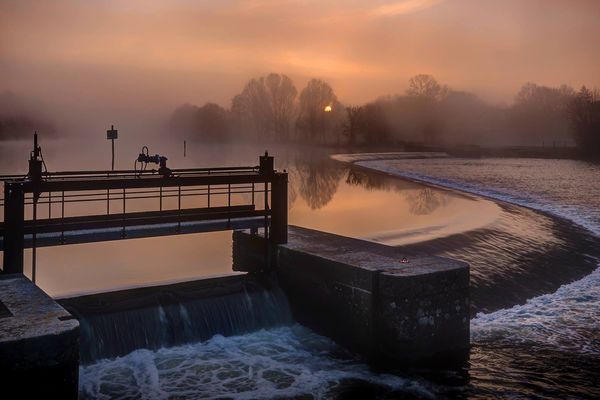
568	319
275	363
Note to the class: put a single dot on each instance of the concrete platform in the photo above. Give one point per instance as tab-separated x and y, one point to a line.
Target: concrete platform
39	342
378	300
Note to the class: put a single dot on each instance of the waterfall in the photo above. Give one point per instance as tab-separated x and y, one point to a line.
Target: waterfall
119	332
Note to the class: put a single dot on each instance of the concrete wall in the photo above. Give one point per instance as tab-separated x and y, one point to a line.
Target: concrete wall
39	343
362	295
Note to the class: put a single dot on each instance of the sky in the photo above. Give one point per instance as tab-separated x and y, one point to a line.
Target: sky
101	59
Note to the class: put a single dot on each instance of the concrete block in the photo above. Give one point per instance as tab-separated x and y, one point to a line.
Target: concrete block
39	343
380	301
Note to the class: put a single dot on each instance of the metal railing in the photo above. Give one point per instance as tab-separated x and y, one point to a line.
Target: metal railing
228	193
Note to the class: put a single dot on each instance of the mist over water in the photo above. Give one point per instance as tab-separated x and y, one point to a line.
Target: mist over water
235	78
547	346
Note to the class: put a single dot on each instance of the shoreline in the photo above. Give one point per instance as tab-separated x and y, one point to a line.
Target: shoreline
509	267
360	163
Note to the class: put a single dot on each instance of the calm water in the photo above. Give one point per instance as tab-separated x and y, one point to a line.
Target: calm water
536	302
323	194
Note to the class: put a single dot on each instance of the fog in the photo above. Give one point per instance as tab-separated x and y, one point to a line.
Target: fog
92	64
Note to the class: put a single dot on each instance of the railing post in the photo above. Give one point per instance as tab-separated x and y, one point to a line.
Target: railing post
14	227
279	209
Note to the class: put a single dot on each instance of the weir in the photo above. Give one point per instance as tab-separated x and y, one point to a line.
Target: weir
379	301
116	323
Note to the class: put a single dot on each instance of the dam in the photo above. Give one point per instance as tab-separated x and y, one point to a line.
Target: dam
386	304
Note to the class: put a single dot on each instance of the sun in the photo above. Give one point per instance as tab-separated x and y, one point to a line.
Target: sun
327	109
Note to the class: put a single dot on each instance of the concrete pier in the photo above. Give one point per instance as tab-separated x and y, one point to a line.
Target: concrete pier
39	343
377	300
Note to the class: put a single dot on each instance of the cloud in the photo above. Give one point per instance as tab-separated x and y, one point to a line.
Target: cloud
402	7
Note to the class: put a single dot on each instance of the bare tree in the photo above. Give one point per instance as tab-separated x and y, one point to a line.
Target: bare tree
213	122
319	110
210	122
252	105
426	86
540	113
354	124
584	116
267	103
281	94
425	93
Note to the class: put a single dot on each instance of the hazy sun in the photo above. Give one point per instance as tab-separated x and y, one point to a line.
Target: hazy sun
327	109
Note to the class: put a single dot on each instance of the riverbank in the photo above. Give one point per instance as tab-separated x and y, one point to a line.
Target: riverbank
525	252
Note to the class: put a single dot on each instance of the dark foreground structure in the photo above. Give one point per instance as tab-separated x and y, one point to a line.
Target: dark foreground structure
39	342
385	304
389	306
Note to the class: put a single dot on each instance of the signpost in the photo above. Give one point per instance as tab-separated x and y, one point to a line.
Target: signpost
112	135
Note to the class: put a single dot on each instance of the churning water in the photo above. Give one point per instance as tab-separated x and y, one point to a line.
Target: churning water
550	345
283	362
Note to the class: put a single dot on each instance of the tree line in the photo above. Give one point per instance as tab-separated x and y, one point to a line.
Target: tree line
270	108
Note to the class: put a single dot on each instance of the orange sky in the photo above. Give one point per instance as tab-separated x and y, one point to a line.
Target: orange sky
134	56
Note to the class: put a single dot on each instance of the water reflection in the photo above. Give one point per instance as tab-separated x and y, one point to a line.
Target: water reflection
323	194
425	201
422	200
318	181
370	181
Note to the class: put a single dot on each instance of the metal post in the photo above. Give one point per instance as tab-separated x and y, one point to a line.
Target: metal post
123	234
229	202
107	199
14	227
266	209
279	211
179	209
34	241
113	155
62	217
268	264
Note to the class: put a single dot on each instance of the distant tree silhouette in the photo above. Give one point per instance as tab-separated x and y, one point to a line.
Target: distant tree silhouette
319	111
466	118
281	94
584	116
213	122
210	122
540	113
354	124
252	105
426	86
425	93
267	104
183	120
376	124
